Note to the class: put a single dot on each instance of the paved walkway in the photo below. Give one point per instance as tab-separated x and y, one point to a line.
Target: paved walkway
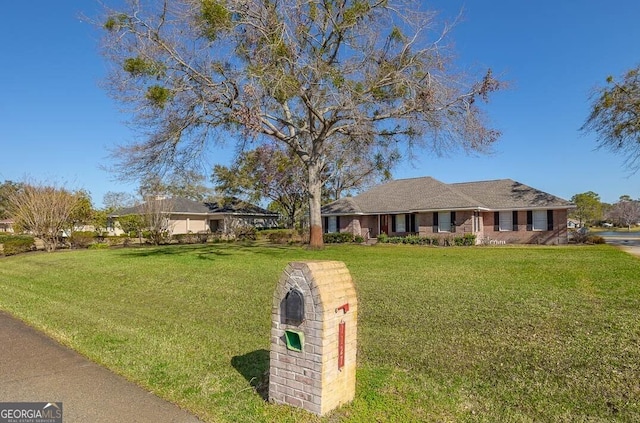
631	250
34	368
629	244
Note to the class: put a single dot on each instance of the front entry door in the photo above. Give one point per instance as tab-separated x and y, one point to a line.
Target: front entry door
384	224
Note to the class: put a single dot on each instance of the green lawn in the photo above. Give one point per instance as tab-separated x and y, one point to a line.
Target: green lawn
516	334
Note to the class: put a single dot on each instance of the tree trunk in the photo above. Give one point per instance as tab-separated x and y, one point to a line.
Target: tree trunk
315	204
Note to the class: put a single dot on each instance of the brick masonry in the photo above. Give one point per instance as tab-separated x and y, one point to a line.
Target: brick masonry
310	379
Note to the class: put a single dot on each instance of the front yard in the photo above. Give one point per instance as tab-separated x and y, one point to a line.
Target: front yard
445	334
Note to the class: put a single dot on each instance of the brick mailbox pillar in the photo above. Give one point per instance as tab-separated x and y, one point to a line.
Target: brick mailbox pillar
313	337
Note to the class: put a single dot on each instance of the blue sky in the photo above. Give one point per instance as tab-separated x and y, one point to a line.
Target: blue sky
57	123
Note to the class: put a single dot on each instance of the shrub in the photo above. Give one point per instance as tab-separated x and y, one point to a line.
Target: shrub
189	238
594	239
337	238
358	239
16	244
467	240
81	239
278	236
117	240
579	236
245	233
203	236
383	238
99	246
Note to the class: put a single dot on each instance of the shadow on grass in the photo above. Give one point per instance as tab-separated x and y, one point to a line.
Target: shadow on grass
254	367
203	251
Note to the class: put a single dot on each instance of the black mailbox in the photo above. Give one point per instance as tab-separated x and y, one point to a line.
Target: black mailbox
294	307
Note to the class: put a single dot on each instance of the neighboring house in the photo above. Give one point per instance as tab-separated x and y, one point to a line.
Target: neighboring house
500	211
6	225
188	216
573	224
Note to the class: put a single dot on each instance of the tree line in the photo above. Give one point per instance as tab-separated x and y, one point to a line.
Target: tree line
590	211
266	175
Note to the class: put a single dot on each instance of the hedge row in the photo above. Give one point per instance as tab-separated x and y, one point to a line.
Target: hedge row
16	244
464	240
341	238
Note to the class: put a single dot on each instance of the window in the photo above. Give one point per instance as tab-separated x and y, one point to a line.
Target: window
215	226
400	223
444	222
539	220
506	221
332	225
403	223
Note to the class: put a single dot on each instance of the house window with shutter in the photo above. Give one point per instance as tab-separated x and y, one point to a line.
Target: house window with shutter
505	221
399	223
539	220
444	222
331	224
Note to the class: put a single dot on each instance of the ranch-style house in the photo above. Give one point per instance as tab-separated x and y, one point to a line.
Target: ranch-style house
499	211
188	216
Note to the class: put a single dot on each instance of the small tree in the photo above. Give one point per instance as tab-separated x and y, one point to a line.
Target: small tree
132	223
7	189
588	207
45	210
83	214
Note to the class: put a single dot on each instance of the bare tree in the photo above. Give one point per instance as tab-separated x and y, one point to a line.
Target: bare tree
45	210
156	212
615	116
315	75
186	184
625	212
117	200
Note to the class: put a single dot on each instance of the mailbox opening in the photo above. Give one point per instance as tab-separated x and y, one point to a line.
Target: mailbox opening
294	340
294	307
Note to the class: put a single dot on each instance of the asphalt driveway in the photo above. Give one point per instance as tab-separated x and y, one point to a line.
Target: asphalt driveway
35	368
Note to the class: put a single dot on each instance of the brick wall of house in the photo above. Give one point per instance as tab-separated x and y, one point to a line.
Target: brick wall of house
464	224
558	236
485	233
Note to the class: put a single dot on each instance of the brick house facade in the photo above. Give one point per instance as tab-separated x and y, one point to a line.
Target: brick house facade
496	212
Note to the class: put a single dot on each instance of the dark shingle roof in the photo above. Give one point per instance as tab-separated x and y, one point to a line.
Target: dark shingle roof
509	194
236	206
429	194
180	205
